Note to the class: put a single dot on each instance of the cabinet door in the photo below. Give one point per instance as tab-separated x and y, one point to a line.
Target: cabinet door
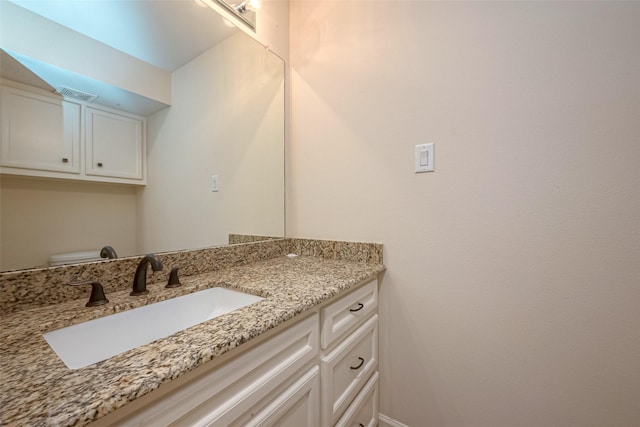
296	406
39	132
363	412
224	395
115	145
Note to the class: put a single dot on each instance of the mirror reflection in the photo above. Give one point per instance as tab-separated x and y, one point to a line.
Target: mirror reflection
212	103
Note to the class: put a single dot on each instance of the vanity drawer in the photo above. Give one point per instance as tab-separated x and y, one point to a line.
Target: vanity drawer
348	312
347	368
364	409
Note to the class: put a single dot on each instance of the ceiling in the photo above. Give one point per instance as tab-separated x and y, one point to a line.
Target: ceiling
166	34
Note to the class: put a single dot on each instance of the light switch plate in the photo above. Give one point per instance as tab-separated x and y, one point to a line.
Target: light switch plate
215	183
424	159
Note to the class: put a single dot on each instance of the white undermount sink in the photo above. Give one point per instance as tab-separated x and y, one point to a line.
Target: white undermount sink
99	339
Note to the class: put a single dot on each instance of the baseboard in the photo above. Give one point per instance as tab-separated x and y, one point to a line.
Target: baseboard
384	421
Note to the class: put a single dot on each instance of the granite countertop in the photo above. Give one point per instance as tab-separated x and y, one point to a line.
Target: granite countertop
38	389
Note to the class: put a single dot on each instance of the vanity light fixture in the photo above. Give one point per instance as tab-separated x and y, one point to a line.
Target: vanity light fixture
245	10
253	5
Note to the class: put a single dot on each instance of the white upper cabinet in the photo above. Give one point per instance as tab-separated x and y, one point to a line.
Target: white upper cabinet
114	144
40	132
46	136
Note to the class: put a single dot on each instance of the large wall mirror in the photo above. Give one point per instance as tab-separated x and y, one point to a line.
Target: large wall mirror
219	113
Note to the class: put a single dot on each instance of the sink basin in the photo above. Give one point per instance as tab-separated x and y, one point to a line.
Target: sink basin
99	339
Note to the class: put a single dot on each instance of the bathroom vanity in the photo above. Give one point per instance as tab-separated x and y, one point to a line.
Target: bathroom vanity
304	355
307	372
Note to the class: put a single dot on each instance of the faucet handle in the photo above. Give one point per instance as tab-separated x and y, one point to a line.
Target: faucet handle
174	281
97	293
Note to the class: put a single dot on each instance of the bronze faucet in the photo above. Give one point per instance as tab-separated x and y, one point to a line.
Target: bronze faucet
140	278
108	252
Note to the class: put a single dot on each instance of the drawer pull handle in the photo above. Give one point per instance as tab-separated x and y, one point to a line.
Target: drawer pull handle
360	307
99	164
359	366
65	160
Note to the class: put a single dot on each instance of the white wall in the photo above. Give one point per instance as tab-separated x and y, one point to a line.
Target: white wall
512	290
226	119
42	217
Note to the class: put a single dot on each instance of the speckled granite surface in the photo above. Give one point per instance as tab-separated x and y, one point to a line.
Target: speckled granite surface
37	388
27	289
234	239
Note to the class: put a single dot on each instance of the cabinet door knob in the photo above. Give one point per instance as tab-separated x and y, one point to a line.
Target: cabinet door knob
65	160
99	164
359	366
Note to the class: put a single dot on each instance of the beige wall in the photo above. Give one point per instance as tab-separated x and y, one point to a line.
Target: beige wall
227	120
513	284
42	217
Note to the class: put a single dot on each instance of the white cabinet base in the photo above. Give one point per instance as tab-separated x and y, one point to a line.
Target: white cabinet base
297	406
281	380
346	369
364	409
224	395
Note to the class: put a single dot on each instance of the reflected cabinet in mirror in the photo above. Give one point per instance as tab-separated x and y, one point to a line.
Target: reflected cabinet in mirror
211	102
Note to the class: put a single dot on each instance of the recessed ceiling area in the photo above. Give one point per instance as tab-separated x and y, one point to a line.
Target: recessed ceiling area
163	33
35	73
12	69
124	51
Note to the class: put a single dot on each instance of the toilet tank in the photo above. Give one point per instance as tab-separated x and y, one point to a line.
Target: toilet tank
74	257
